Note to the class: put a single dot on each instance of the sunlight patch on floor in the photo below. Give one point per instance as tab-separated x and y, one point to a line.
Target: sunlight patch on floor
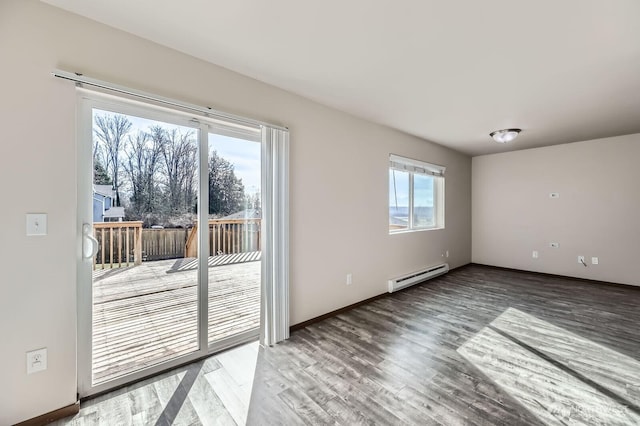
234	381
560	377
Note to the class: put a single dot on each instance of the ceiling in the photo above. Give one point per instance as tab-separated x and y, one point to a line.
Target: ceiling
447	71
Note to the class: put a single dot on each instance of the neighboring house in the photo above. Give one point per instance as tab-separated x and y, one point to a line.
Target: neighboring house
103	208
245	214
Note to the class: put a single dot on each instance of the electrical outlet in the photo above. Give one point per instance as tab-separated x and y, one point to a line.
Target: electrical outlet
36	360
594	260
535	254
581	260
349	279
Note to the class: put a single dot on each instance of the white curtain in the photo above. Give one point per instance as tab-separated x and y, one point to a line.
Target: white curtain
275	228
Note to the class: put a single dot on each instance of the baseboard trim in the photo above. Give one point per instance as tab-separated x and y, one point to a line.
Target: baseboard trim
339	311
52	416
344	309
566	277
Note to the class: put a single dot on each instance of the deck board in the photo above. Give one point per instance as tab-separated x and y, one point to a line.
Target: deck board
147	314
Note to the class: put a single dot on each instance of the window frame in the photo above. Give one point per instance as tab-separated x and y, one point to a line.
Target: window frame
412	168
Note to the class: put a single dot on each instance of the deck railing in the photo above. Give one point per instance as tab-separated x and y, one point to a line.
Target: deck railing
126	243
227	236
161	244
119	244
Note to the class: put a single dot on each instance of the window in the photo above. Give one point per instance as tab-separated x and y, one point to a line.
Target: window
416	195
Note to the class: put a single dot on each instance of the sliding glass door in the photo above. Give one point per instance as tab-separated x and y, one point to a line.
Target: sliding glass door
169	211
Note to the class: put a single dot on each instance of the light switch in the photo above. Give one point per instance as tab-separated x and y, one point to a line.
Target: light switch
36	224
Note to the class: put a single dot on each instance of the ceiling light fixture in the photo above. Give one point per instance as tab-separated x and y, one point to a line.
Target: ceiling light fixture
505	135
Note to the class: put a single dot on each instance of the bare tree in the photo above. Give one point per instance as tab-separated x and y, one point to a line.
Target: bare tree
143	152
157	171
110	131
179	153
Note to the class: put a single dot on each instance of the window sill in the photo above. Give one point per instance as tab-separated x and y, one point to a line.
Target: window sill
409	231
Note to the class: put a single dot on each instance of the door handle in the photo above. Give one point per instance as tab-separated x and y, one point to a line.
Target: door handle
89	243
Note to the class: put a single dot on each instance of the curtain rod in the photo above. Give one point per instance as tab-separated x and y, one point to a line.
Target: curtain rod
207	111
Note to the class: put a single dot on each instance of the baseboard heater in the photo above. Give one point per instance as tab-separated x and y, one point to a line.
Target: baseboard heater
416	277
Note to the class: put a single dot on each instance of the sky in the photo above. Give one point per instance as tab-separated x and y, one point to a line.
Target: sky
399	189
243	154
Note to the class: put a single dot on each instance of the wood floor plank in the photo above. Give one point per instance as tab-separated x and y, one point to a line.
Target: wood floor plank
429	355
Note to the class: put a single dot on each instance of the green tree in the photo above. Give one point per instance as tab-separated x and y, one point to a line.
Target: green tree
226	191
100	175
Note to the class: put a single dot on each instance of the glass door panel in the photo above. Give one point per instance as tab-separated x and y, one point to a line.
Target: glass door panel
235	238
145	273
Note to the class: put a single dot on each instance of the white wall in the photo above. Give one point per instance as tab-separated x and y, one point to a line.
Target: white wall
338	191
596	215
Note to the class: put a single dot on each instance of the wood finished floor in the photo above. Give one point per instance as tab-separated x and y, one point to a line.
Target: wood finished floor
478	346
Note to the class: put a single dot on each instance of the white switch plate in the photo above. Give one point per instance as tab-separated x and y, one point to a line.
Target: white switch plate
594	260
36	360
349	279
535	254
36	224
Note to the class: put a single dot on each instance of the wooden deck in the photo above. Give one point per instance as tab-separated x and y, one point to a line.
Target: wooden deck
147	314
